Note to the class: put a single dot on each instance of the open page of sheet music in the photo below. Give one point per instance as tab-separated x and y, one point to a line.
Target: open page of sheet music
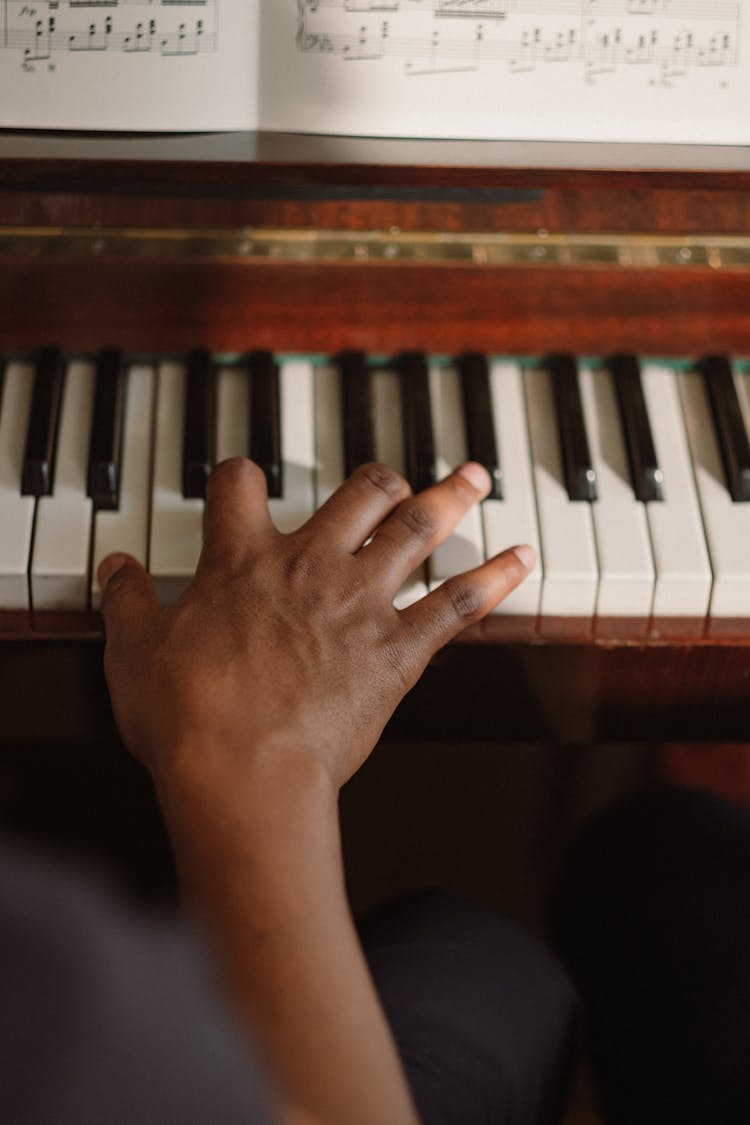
134	65
600	70
606	70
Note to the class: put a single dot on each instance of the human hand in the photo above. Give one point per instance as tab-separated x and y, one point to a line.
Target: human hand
289	645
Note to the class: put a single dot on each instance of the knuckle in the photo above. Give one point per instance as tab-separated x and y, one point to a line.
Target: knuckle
384	479
464	599
418	521
403	656
300	563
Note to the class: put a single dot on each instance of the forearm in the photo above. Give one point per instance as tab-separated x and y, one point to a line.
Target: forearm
291	637
260	865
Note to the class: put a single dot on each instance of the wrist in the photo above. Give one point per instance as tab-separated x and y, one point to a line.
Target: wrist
251	791
263	841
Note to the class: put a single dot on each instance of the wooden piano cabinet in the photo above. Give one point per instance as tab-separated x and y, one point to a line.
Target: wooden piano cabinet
166	244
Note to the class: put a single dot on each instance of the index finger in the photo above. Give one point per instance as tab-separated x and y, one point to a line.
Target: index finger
237	514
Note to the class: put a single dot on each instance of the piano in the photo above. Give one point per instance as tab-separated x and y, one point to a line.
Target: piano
574	318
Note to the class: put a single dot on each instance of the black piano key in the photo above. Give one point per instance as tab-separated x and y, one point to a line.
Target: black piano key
41	436
646	476
265	420
580	477
730	425
419	440
105	445
480	430
356	394
198	435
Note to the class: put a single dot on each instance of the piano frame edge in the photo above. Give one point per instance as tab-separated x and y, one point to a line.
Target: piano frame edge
22	626
566	690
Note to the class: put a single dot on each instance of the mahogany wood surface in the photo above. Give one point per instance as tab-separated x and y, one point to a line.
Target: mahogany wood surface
81	303
347	184
560	201
380	308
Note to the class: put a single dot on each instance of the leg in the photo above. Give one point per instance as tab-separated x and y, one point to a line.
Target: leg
652	916
483	1016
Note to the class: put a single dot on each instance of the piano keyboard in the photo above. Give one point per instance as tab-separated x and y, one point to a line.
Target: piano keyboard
630	478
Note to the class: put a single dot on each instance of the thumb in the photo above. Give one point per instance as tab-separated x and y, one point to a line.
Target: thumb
128	597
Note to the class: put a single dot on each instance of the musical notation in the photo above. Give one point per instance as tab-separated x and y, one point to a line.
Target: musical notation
41	30
665	40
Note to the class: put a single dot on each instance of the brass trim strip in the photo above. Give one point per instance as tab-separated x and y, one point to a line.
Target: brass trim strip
254	245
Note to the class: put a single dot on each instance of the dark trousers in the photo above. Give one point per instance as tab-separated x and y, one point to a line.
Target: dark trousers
484	1019
652	916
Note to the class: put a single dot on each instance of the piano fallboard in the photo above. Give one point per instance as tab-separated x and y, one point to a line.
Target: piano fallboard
307	289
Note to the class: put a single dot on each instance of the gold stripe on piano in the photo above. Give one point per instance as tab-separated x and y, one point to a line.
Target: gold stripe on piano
253	244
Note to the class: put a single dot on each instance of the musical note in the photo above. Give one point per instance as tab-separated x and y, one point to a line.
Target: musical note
165	28
663	38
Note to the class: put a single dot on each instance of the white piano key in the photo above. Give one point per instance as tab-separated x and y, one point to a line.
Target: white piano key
512	521
232	413
726	524
297	446
566	529
62	534
126	529
683	572
16	511
742	385
388	420
626	568
329	437
464	549
388	431
176	534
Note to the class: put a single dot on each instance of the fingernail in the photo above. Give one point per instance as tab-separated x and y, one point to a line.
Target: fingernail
526	556
110	566
478	478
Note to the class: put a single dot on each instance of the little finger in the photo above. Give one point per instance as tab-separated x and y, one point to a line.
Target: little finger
465	599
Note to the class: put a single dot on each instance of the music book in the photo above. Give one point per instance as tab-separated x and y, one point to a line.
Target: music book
659	71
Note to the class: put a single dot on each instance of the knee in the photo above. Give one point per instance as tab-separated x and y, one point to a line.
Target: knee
651	915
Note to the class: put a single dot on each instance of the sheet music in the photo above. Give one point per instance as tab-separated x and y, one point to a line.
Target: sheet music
601	70
606	70
134	65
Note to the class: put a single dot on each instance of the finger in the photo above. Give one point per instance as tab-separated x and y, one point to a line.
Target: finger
419	524
464	600
128	598
237	514
359	506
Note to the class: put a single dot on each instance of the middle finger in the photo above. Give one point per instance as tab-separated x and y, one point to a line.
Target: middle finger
418	525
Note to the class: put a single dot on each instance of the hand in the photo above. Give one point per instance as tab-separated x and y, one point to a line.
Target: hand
289	644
